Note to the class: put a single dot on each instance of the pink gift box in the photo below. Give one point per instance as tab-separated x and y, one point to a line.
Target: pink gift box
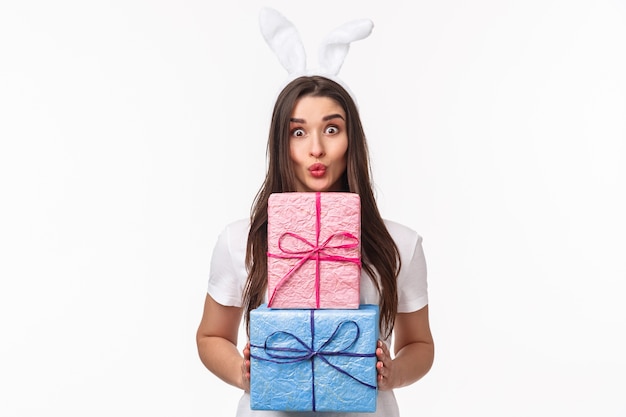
314	250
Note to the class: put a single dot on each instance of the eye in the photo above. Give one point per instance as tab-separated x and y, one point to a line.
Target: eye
298	133
332	130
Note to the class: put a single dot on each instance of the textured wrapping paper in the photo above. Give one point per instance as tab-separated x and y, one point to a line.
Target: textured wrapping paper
313	360
314	250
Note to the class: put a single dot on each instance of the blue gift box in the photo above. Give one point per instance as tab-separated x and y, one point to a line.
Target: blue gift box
313	360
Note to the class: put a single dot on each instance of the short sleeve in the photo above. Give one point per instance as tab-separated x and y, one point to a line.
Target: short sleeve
412	282
227	276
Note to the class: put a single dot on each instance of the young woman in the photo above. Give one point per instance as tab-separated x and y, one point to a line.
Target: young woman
317	143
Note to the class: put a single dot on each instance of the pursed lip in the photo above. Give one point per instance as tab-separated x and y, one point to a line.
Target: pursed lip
317	169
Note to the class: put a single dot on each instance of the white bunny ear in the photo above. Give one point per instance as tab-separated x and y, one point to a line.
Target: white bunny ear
283	37
335	47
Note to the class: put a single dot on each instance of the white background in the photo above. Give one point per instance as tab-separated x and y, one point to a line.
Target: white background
132	131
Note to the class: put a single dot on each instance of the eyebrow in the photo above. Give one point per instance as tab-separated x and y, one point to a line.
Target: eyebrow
325	118
332	116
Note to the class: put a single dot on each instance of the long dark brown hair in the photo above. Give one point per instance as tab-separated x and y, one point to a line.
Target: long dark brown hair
379	253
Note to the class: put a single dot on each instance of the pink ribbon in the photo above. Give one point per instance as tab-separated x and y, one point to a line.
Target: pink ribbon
316	252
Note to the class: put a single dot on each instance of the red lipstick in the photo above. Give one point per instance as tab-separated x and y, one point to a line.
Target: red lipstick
317	170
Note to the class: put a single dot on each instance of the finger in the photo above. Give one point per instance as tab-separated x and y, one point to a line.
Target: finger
245	375
382	381
381	369
380	352
245	372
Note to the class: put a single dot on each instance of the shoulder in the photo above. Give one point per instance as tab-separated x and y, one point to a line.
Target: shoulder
412	278
228	273
237	228
234	236
403	236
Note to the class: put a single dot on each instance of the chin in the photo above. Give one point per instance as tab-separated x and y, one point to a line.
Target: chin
319	186
323	189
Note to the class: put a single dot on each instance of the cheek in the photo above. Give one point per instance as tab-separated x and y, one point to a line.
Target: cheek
297	153
342	150
292	152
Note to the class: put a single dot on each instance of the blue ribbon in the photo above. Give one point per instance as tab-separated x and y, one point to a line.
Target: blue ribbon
278	354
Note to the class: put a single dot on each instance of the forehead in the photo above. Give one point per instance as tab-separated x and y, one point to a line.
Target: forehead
315	108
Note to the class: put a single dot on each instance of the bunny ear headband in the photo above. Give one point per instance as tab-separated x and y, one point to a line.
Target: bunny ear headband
283	38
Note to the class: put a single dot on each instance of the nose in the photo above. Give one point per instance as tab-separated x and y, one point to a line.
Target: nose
317	147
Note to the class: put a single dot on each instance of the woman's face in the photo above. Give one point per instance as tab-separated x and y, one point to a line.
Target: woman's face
318	142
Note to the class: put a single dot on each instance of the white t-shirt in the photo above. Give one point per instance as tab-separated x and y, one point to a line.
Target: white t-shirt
228	276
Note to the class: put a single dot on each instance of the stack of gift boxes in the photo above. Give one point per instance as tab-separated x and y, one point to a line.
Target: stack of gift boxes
312	345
